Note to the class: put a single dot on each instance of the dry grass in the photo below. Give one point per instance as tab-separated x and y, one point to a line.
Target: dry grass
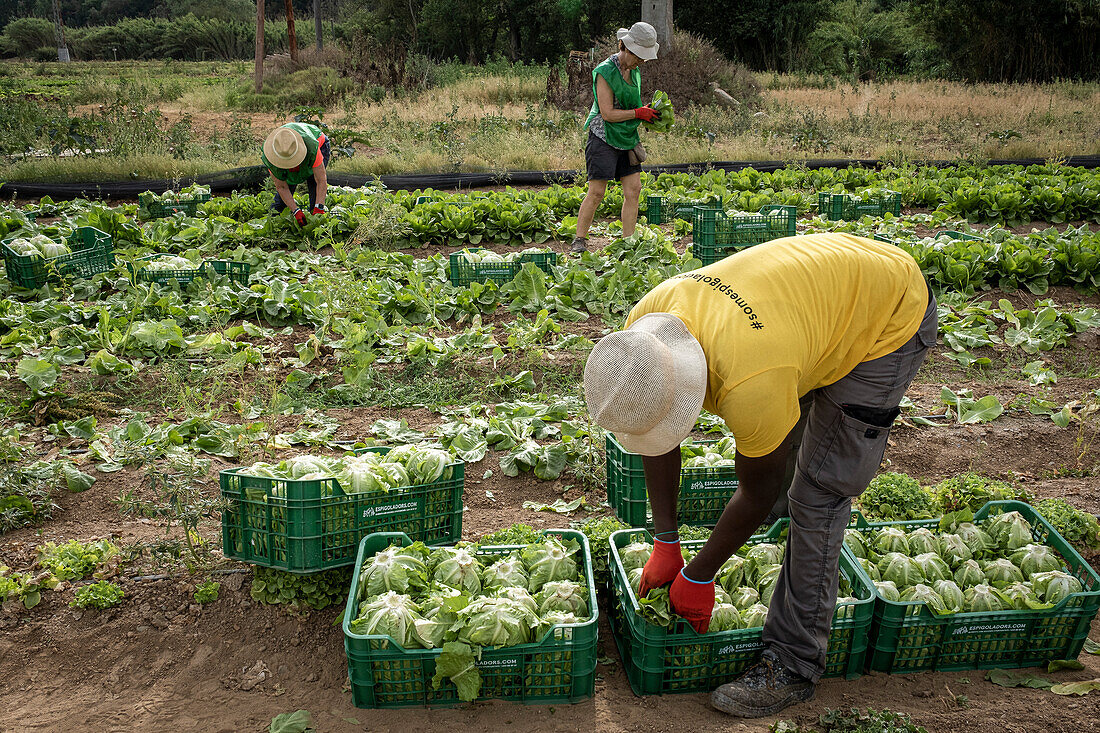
491	122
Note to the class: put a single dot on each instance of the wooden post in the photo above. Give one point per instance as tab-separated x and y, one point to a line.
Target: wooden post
317	24
658	13
259	74
290	30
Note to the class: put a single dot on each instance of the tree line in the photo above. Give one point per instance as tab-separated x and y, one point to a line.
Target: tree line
978	40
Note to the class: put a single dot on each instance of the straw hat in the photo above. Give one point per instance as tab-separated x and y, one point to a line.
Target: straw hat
646	384
640	40
285	148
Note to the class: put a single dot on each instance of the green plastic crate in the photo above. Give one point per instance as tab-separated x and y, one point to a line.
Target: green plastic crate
463	272
661	210
161	277
150	209
908	637
303	530
704	492
660	661
842	206
715	235
960	235
235	271
92	253
559	668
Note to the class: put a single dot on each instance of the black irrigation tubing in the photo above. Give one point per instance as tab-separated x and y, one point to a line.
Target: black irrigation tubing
252	177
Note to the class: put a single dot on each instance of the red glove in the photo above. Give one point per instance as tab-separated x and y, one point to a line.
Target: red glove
663	566
300	217
692	599
318	210
646	114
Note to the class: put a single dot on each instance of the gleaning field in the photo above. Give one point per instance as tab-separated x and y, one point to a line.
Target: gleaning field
194	405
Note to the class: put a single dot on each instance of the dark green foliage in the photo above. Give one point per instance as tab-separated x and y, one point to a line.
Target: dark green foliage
1078	527
315	591
895	496
972	491
517	534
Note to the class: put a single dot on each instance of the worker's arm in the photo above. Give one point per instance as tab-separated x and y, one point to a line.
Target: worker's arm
662	481
759	482
320	175
283	190
606	98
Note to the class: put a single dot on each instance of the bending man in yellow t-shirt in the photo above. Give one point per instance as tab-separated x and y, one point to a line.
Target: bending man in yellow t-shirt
805	347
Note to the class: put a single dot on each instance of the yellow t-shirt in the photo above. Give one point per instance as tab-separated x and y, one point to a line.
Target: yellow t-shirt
786	317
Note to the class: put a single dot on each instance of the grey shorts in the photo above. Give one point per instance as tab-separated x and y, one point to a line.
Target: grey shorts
606	163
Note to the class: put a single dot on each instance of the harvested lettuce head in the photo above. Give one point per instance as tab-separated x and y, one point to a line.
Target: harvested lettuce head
506	572
724	617
460	569
563	595
1032	558
635	555
983	597
491	622
390	614
549	561
393	569
1055	586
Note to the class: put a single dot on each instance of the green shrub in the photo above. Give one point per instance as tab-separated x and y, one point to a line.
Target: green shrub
24	37
321	87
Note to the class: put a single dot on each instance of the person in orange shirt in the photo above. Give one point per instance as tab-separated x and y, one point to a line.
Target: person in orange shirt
805	347
297	153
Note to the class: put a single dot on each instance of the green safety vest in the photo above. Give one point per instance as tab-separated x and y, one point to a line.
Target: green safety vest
293	176
621	135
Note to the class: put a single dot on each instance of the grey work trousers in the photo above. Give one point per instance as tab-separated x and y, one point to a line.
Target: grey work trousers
837	456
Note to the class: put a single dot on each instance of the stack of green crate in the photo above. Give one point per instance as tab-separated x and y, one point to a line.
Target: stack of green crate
909	637
91	252
716	235
559	668
236	271
704	491
662	209
463	272
304	526
149	208
843	206
660	660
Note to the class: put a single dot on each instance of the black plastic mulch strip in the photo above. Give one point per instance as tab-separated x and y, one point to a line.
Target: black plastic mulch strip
249	178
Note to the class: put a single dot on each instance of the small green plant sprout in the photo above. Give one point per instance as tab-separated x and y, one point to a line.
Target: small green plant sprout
103	594
207	592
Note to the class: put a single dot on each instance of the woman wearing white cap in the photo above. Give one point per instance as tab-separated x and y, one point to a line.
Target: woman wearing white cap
613	128
297	153
805	347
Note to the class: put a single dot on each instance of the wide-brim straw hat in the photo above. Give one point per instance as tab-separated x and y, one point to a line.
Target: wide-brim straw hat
646	384
285	148
641	40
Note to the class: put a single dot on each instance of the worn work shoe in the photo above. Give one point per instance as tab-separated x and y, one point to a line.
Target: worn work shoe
579	245
763	689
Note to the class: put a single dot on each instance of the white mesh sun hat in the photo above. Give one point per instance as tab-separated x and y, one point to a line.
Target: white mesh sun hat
646	384
285	148
640	39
